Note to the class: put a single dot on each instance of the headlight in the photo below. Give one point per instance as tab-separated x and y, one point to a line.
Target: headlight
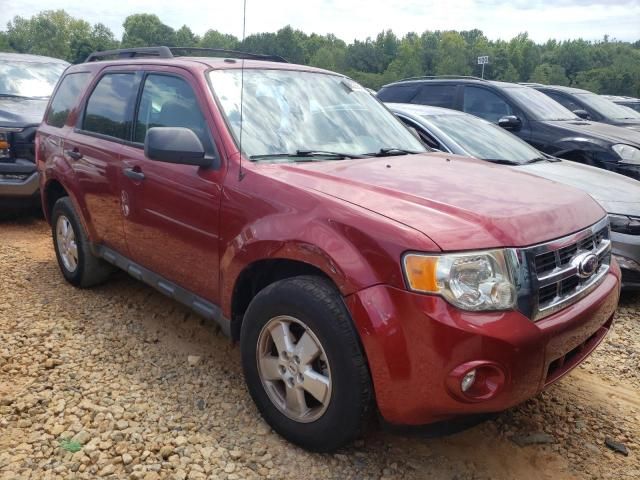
5	144
624	224
470	281
627	154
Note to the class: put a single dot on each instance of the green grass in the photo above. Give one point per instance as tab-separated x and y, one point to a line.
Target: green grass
70	445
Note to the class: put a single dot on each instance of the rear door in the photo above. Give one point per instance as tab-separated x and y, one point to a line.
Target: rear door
437	94
93	150
171	210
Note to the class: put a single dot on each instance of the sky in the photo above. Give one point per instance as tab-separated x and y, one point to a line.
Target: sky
359	19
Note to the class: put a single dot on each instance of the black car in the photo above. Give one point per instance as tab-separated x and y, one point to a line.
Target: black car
590	106
26	83
630	102
530	115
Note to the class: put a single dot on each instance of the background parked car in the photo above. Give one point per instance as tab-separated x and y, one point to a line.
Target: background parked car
590	106
26	83
629	102
530	115
456	132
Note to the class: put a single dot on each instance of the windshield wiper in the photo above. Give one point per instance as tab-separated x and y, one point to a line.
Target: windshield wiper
501	161
388	152
307	154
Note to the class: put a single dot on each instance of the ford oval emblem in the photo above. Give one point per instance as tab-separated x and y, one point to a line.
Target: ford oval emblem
588	265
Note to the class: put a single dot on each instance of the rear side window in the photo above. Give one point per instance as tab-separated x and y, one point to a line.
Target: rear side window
398	93
437	95
108	106
65	98
483	103
169	101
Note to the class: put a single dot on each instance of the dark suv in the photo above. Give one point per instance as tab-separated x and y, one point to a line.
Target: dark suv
588	105
357	270
26	82
529	114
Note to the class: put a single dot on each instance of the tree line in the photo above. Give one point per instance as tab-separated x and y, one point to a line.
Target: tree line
606	66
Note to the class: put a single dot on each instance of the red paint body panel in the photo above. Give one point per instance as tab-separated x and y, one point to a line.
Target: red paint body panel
353	220
413	341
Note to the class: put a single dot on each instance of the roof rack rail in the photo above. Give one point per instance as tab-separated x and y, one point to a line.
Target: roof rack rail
231	53
159	52
171	52
532	84
428	77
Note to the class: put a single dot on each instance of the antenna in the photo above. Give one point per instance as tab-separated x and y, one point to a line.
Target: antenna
244	25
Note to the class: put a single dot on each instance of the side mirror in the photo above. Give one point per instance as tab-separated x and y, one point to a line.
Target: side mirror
582	114
175	145
510	122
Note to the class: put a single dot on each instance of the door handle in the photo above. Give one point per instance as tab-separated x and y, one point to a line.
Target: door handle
134	174
75	154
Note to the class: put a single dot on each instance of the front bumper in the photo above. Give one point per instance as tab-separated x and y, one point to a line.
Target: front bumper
626	250
413	342
19	192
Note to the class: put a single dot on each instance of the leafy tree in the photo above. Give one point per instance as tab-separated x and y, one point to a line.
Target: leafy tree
185	37
549	74
451	58
215	39
144	29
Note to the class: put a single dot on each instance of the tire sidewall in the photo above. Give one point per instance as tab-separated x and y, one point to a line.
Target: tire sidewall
64	207
343	415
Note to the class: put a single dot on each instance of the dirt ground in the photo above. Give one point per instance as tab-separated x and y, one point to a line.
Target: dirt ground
106	372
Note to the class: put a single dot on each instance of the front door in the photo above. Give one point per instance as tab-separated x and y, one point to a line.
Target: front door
171	211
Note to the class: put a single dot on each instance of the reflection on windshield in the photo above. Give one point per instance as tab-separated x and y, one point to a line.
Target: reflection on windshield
286	111
482	139
541	106
29	79
607	108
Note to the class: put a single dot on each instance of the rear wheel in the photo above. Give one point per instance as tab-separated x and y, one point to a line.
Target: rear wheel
304	365
78	265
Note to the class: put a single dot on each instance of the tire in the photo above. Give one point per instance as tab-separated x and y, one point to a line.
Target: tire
82	269
311	306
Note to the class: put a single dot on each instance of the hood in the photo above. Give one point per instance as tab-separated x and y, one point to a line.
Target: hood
630	124
459	203
601	131
21	112
616	193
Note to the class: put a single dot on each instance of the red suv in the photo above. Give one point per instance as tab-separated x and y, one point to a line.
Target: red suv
358	271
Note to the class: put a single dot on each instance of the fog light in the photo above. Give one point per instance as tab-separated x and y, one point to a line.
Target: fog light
467	380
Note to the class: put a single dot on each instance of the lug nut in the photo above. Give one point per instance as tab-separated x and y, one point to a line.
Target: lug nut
296	359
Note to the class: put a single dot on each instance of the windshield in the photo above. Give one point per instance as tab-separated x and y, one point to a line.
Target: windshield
29	79
482	139
539	105
289	111
607	108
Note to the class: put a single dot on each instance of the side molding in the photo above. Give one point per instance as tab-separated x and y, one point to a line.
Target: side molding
201	306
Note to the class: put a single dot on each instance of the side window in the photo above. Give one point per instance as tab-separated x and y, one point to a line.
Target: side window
65	98
485	104
169	101
108	105
398	93
566	102
436	95
425	136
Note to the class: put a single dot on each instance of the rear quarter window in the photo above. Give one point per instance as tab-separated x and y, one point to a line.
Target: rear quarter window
66	97
398	93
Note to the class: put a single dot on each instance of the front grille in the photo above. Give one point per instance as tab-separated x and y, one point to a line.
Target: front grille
558	280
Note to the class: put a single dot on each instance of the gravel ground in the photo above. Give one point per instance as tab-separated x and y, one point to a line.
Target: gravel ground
120	382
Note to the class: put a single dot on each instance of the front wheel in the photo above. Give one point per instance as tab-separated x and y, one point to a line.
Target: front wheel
304	365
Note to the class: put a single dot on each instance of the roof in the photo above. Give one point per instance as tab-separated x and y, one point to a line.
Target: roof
25	57
456	80
621	98
561	88
200	62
